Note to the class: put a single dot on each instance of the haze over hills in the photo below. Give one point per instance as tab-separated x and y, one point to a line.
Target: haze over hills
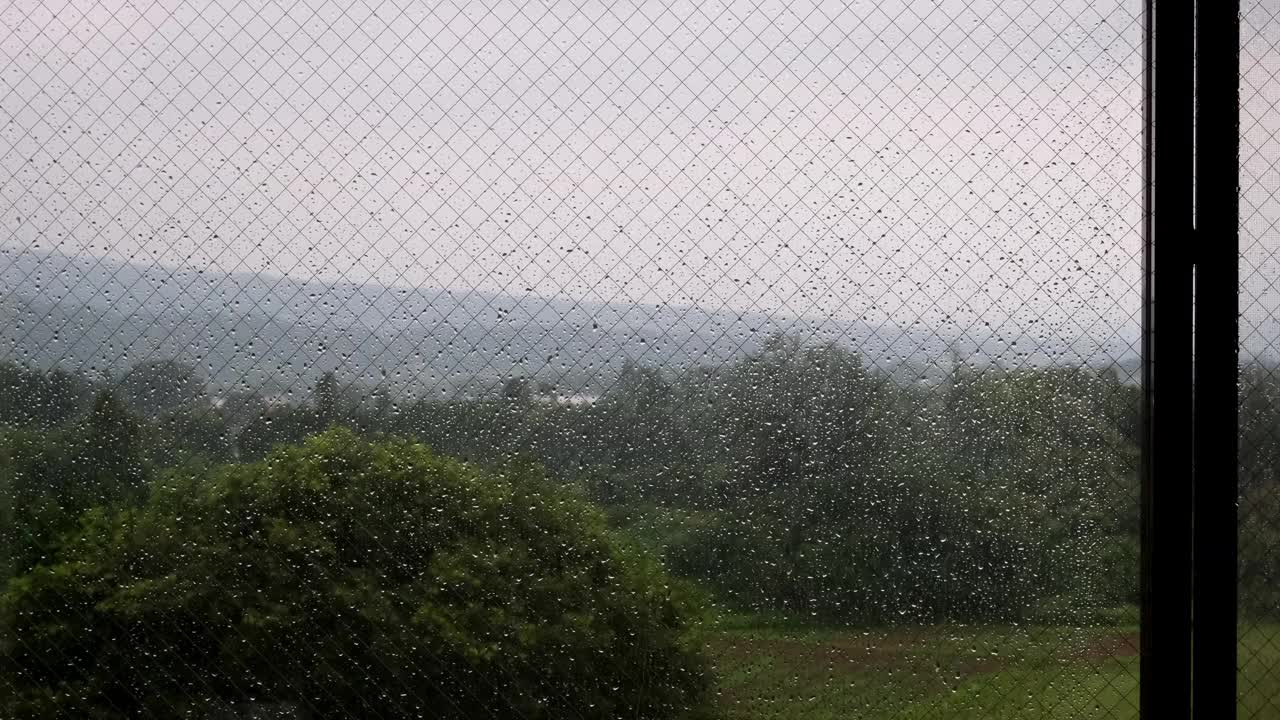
277	333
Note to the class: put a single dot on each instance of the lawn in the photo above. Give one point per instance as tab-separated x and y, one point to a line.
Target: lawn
776	670
1259	676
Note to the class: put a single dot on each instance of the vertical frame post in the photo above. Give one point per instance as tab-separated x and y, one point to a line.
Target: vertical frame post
1217	249
1165	690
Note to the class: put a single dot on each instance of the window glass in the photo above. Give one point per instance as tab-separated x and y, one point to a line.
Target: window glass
536	359
1258	682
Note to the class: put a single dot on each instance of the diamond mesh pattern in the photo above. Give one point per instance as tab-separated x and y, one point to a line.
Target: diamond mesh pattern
1259	540
431	199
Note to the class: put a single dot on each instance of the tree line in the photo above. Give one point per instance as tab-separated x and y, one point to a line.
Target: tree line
798	478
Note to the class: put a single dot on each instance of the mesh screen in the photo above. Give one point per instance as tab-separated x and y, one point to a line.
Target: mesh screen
577	360
1259	542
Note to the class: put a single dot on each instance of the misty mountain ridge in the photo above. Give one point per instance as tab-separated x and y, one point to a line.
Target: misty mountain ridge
277	333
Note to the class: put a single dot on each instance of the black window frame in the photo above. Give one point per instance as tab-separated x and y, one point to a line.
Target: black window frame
1190	361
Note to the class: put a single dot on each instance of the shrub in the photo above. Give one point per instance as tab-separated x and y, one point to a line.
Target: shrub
341	578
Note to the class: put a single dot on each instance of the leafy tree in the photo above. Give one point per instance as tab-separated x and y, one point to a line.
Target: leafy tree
179	436
159	386
924	549
852	497
325	399
636	419
348	579
1259	427
1259	566
48	478
517	388
47	400
798	477
111	436
1259	490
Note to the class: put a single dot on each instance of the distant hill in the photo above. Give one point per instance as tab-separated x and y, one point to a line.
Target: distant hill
272	332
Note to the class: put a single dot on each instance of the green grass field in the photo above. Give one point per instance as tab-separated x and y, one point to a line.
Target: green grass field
771	669
1258	681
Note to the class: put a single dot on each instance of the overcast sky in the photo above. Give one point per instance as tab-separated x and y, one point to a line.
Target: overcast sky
952	163
1260	177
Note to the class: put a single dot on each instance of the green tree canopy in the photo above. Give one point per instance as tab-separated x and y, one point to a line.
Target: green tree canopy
342	578
161	386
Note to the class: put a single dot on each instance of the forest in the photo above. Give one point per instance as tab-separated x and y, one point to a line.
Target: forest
344	552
